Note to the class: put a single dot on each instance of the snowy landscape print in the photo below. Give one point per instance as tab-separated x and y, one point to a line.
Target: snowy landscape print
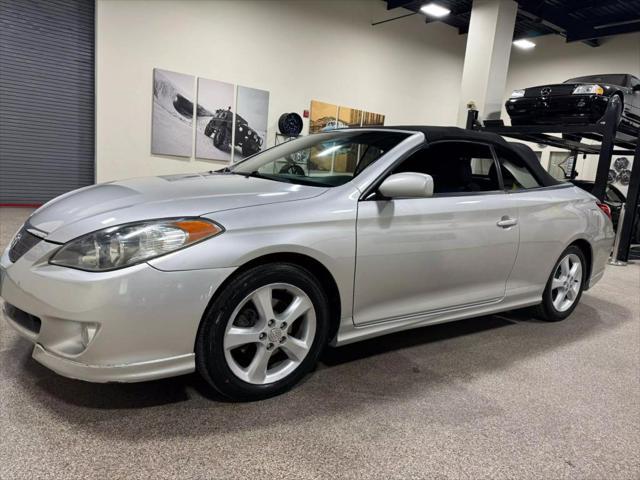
172	118
214	120
252	107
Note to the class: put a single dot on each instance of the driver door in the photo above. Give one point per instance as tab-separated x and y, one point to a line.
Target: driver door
418	257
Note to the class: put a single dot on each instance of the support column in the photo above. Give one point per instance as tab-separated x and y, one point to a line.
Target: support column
486	60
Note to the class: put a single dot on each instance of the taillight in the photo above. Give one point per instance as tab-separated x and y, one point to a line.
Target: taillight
605	208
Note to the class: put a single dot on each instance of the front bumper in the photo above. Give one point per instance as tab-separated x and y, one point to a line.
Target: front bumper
128	325
568	109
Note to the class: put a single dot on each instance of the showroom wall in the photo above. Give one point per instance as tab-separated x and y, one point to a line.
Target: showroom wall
299	51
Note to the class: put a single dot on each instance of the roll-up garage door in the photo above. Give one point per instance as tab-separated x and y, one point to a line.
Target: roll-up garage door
46	98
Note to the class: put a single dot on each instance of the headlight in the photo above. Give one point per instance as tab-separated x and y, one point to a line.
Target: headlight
588	89
125	245
517	94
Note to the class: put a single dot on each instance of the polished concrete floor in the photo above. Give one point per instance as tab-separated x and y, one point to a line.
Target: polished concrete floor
494	397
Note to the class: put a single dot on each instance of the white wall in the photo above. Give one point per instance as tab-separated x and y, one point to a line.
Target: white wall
301	50
298	50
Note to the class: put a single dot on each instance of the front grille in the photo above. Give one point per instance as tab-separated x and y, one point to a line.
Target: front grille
22	318
21	244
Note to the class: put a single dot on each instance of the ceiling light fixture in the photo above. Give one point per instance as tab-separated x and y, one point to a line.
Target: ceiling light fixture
525	44
435	10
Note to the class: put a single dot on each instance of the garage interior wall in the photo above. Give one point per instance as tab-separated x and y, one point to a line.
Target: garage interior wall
298	50
47	99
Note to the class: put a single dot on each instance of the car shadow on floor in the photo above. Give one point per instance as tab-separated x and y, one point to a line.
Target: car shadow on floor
401	367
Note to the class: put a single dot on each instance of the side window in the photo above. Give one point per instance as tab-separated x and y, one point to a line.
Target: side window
516	175
634	82
456	167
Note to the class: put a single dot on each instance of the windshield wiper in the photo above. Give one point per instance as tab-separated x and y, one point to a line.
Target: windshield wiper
257	174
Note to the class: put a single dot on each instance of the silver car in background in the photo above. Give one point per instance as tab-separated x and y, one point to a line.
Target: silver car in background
246	274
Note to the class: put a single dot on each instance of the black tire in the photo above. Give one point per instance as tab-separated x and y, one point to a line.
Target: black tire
220	139
292	169
208	130
211	363
290	124
247	151
546	310
616	107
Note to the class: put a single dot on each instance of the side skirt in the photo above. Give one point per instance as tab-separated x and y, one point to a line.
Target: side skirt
350	333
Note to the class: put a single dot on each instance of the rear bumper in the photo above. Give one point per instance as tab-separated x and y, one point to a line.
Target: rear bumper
570	109
128	325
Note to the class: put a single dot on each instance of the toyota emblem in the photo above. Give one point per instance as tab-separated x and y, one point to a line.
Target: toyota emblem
545	91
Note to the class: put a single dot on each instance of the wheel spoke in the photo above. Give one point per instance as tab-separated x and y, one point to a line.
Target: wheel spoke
557	283
262	299
257	369
569	294
237	337
575	270
298	307
560	297
295	349
564	266
575	289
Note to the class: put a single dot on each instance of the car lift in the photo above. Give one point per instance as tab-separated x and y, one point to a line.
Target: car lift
609	138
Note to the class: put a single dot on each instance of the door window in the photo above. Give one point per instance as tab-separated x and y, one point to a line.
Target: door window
516	175
456	167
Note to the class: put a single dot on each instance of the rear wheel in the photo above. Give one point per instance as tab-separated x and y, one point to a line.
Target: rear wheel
564	287
263	333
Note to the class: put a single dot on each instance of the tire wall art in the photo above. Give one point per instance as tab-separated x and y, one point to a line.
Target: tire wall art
252	110
175	106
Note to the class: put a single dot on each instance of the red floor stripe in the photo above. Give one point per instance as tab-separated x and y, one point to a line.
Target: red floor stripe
26	205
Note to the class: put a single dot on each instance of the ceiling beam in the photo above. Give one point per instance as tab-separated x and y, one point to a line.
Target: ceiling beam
557	17
454	19
589	33
391	4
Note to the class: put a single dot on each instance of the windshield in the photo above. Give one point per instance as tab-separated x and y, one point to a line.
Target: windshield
615	79
322	159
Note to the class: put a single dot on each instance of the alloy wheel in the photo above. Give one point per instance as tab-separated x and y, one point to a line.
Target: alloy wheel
566	283
270	333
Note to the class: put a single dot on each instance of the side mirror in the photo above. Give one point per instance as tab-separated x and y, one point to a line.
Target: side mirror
636	88
407	185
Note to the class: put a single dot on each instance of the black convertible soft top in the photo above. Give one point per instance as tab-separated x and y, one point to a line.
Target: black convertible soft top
434	134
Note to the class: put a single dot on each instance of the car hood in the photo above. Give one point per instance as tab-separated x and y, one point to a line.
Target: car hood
100	206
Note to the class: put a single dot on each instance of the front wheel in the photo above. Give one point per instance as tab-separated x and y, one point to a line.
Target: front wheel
564	287
263	333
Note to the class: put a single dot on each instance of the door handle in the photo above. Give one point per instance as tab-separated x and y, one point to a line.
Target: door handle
506	222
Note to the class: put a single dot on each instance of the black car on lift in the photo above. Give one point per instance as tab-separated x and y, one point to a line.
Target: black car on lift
615	199
581	100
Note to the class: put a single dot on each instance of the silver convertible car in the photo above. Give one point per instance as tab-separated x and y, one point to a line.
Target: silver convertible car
245	274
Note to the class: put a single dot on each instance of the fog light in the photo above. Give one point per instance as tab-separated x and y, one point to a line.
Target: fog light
87	333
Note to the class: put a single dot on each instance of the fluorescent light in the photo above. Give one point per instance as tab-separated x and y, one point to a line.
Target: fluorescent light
522	43
435	10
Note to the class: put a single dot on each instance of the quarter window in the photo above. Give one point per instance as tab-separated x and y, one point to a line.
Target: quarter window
516	175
